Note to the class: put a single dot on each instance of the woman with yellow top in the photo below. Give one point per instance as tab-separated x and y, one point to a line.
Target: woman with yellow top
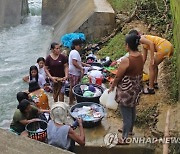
159	49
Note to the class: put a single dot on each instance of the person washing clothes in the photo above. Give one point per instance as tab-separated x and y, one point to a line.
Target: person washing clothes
59	132
76	70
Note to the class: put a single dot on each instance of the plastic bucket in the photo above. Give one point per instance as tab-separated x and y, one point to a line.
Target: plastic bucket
32	128
81	98
95	80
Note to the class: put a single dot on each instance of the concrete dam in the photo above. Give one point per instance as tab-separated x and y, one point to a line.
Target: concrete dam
94	18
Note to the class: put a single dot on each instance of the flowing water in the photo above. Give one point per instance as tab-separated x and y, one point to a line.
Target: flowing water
19	48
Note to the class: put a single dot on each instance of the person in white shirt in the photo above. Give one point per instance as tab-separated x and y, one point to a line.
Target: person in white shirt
40	65
76	70
35	76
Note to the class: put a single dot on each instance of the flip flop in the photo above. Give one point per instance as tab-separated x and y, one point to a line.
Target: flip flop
149	91
130	133
155	85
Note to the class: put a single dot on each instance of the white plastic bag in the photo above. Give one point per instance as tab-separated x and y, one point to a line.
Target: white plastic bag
111	103
108	100
103	98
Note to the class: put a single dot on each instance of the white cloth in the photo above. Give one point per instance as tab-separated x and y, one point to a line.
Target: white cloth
41	80
41	71
74	54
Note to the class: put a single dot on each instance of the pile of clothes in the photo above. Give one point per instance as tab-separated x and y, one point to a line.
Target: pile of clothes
88	91
88	113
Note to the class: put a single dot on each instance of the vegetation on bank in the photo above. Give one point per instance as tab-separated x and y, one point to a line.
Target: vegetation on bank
157	15
115	48
122	5
175	71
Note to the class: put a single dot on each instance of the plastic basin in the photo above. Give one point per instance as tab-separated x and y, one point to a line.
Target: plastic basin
81	98
88	124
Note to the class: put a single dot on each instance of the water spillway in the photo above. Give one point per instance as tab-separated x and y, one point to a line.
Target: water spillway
20	46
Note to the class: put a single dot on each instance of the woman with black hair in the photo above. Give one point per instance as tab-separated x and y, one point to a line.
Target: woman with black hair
159	49
76	70
128	81
24	114
40	66
24	95
56	68
34	75
38	96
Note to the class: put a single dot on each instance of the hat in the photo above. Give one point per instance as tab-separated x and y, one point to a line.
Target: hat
33	86
58	112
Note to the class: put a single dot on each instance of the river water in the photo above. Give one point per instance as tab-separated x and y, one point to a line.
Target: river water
19	48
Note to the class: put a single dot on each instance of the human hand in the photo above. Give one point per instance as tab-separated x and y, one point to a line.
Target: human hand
88	65
113	63
54	79
82	73
110	89
65	78
80	122
35	119
110	83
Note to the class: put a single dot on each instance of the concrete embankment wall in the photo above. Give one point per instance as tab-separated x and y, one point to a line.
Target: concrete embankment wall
93	17
14	144
100	23
12	12
123	149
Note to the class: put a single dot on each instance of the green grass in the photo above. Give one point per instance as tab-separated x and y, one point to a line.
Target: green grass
122	5
115	48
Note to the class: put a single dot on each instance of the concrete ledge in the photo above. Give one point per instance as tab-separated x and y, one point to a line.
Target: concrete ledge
124	149
13	144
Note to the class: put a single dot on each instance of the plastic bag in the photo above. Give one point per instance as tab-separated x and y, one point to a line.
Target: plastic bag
67	39
111	103
108	99
103	98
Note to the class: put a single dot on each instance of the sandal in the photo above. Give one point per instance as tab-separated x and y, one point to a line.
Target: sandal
130	133
155	85
149	91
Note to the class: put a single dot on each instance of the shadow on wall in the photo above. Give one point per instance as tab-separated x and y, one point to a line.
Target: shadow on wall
12	12
89	17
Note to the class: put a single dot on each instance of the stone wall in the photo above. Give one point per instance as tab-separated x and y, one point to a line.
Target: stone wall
12	12
175	9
